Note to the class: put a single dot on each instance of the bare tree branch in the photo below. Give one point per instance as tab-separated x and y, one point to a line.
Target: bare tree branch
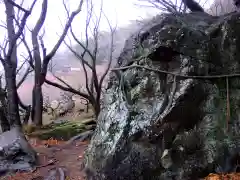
85	47
62	81
35	44
27	72
18	6
30	59
19	12
20	29
67	26
78	55
67	89
44	50
22	65
112	30
93	84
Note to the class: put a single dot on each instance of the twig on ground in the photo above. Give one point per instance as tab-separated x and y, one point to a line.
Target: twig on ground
50	162
80	137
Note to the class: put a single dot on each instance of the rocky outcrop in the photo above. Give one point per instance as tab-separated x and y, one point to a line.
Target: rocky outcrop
15	152
157	125
62	106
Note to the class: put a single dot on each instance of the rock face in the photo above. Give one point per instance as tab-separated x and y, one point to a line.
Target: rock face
155	125
15	152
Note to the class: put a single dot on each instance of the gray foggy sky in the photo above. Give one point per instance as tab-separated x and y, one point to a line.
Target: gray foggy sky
117	11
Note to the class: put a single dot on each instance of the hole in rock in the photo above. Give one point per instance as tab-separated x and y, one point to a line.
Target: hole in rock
163	54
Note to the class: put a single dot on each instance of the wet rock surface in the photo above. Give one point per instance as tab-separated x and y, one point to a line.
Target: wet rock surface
15	152
157	125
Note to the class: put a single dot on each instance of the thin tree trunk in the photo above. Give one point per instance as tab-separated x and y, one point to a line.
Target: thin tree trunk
38	105
41	64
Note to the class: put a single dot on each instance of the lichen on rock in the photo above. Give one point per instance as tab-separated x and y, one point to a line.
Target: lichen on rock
149	115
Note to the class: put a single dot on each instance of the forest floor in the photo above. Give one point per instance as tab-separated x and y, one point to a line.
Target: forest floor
50	144
53	155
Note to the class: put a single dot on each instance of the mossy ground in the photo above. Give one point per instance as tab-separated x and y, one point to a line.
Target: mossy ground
63	131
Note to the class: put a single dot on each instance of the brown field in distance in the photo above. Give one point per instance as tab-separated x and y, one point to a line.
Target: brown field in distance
74	78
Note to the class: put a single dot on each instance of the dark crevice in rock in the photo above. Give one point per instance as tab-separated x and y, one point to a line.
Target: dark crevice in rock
163	54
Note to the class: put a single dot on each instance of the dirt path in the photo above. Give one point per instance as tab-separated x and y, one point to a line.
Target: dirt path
68	158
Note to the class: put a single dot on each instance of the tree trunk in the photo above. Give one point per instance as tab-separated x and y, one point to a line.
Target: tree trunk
96	109
5	126
37	108
27	109
27	115
12	98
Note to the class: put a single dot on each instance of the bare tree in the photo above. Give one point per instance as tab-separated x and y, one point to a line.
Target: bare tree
39	62
9	60
22	71
88	60
8	57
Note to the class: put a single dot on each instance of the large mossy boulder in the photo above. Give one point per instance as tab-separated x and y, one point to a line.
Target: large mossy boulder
155	125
